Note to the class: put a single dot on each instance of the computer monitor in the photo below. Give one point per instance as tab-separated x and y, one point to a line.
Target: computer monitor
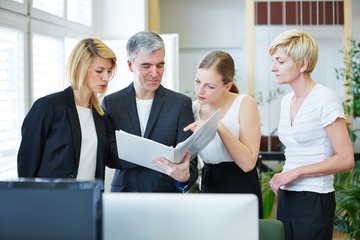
164	216
50	209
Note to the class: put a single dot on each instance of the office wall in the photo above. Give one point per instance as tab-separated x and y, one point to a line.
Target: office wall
119	19
206	25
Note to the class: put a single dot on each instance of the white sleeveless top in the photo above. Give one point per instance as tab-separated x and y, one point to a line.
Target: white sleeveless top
215	152
89	142
306	141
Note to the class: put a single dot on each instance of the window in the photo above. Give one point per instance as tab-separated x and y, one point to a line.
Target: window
48	65
19	1
11	98
34	43
299	12
80	11
55	7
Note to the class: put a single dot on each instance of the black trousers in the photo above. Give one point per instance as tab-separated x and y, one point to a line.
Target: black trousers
306	215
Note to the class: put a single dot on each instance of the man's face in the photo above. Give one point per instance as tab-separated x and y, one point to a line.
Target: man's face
148	71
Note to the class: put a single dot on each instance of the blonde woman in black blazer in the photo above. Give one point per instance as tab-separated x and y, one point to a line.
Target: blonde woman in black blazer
55	134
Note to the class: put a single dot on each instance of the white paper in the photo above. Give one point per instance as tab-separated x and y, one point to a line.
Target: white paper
140	150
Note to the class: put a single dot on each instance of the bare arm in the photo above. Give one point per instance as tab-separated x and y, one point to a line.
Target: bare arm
244	151
342	160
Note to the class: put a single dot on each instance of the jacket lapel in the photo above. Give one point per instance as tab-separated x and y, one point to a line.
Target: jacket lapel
101	135
74	121
132	110
155	110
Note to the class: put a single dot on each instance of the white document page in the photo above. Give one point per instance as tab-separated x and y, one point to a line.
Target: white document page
140	150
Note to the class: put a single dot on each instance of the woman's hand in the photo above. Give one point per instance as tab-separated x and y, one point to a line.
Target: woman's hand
194	126
281	179
179	172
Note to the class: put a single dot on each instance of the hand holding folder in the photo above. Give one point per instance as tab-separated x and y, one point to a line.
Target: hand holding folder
141	150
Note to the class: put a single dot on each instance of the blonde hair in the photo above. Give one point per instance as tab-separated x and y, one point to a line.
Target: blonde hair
81	57
299	46
223	64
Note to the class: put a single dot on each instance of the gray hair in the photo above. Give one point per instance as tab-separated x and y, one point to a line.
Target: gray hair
145	42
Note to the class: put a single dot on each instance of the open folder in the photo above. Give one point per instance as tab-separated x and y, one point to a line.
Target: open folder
140	150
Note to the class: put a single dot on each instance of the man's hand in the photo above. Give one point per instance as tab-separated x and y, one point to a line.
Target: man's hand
179	172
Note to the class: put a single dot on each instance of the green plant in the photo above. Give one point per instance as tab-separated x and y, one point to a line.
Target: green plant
347	192
268	196
347	211
348	177
351	77
271	96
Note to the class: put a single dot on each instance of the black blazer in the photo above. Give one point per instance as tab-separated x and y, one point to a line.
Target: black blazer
170	113
51	138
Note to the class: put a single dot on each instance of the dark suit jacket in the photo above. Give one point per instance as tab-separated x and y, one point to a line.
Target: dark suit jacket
51	139
170	113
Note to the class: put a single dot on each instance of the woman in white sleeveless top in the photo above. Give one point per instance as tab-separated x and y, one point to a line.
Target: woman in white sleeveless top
313	129
230	159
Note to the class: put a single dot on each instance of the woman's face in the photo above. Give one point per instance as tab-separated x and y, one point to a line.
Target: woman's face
98	75
284	67
209	86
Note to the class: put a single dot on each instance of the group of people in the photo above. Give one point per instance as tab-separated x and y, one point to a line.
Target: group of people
71	134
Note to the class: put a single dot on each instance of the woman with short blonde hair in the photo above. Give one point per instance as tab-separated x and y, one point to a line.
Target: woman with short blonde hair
317	145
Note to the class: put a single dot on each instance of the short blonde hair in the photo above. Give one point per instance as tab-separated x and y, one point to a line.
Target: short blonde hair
299	46
81	57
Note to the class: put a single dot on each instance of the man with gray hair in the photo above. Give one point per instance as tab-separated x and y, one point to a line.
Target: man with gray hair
145	108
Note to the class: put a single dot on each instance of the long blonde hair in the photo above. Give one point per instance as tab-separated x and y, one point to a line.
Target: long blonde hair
81	57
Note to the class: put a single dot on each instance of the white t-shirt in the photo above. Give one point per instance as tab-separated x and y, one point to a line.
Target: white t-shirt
306	141
143	109
89	142
215	152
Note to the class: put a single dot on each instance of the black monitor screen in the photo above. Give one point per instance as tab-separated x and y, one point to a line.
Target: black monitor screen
50	209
